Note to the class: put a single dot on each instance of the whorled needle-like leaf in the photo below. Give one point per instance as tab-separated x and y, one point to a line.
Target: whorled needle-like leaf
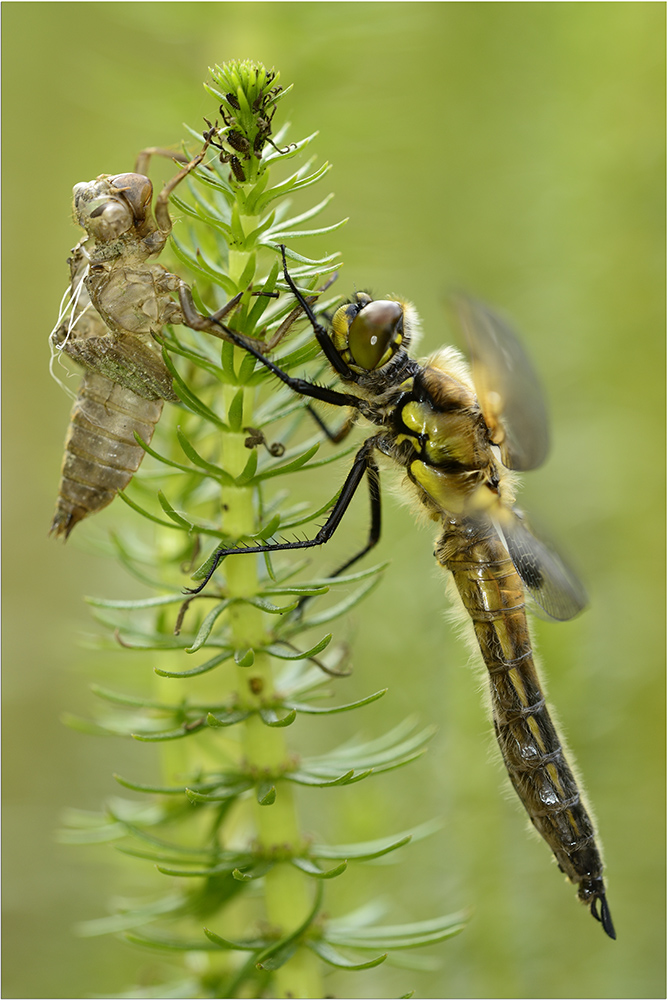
131	918
333	709
334	957
413	935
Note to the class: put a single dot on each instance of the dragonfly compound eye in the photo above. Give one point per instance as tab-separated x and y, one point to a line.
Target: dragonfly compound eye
376	333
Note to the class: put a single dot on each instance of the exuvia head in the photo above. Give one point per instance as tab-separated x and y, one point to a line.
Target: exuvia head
368	333
110	206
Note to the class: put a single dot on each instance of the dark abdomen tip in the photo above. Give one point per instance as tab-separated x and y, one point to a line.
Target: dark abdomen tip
604	917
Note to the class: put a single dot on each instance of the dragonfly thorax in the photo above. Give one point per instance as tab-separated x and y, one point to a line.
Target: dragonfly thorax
451	460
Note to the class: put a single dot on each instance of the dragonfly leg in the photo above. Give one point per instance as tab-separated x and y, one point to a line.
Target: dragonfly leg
334	436
196	321
326	345
144	158
161	207
364	463
287	323
373	479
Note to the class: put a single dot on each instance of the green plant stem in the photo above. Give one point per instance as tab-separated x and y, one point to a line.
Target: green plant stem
287	899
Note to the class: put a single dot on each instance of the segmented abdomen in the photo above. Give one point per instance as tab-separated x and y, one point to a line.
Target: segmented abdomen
101	453
493	595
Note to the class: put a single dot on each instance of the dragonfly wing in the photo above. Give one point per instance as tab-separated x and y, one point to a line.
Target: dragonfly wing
554	587
507	387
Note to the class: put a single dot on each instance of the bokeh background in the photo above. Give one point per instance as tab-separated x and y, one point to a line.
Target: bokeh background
515	150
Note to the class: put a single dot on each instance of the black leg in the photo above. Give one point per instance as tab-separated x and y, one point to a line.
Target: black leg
327	347
373	479
334	436
363	463
193	319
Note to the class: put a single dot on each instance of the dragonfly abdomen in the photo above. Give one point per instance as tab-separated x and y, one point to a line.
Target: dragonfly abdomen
101	452
493	595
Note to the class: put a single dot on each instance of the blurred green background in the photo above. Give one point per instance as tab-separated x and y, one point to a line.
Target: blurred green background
515	150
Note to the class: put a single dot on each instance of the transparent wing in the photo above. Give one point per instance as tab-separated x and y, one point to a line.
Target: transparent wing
507	387
554	587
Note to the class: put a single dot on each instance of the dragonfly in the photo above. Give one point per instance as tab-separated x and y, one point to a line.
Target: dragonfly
119	299
457	432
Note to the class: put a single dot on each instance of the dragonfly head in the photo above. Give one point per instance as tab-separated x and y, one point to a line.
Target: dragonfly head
368	333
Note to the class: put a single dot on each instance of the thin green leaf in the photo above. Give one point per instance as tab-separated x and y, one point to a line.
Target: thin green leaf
266	793
136	786
235	412
225	868
293	466
165	943
101	835
309	868
354	762
203	668
312	710
295	183
231	718
281	653
332	957
385	940
294	935
270	718
277	958
207	625
230	791
249	873
244	657
413	935
131	918
370	849
298	590
147	602
130	700
188	398
340	609
248	473
268	607
187	729
253	944
303	777
213	470
310	213
197	264
144	513
278	234
172	514
86	726
161	458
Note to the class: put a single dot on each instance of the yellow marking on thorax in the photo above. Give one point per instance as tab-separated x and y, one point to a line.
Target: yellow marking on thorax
445	436
456	492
